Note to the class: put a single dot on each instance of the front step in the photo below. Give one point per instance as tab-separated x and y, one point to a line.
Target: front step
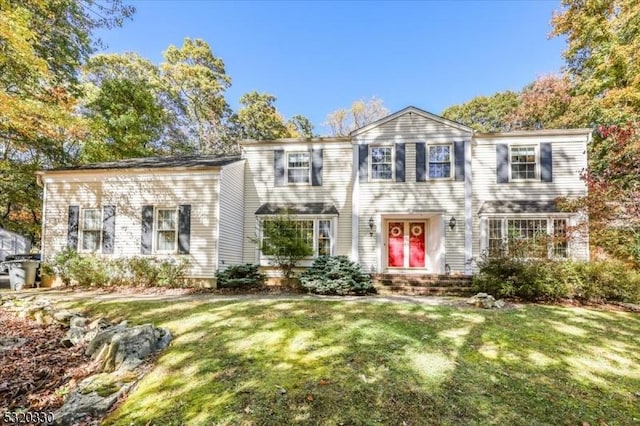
450	285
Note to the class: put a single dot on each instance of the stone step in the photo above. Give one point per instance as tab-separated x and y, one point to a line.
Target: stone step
421	280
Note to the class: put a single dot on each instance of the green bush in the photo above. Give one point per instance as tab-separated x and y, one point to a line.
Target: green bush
238	276
92	270
336	275
538	279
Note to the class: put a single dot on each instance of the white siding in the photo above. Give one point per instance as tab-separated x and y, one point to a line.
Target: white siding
230	243
129	191
569	160
435	200
260	189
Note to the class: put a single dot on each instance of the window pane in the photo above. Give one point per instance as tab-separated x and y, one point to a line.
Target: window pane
166	240
560	237
439	161
381	165
298	175
439	170
523	162
496	242
91	240
527	237
299	159
92	219
166	220
324	237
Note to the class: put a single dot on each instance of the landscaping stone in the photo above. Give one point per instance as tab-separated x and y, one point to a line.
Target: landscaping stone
118	349
486	301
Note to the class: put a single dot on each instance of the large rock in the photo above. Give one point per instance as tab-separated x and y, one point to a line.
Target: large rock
486	301
93	397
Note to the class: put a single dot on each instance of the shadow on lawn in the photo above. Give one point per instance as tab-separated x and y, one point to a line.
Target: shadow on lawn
326	362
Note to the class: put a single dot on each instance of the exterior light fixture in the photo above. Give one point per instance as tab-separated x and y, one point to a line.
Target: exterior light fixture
372	226
452	223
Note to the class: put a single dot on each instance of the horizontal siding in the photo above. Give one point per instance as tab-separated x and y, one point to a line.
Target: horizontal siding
445	198
411	128
569	160
230	244
129	192
336	189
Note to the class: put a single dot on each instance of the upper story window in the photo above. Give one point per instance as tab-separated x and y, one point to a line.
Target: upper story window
91	230
381	163
298	167
523	163
440	160
166	229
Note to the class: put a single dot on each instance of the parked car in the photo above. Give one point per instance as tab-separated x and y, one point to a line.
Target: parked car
4	267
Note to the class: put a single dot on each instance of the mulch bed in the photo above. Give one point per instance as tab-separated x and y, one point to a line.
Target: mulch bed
179	291
36	370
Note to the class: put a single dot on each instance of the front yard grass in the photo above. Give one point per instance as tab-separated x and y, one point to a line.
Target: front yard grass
327	362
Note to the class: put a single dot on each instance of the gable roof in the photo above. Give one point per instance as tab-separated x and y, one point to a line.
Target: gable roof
157	162
412	110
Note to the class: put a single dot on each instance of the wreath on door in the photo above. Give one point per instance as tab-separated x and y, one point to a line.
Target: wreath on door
395	231
416	230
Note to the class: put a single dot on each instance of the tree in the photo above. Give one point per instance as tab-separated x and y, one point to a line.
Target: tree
301	126
285	243
543	104
603	57
259	119
42	45
126	121
485	113
196	82
344	121
613	200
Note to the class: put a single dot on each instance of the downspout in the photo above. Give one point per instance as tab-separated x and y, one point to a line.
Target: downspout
355	204
468	208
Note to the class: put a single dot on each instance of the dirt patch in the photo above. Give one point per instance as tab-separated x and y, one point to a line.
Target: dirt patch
36	371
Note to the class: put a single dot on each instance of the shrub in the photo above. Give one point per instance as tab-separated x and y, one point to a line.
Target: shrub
238	276
92	270
538	279
284	243
336	275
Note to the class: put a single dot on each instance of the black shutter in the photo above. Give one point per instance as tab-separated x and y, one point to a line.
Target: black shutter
108	228
399	147
502	163
184	229
72	230
546	162
278	167
363	162
316	167
146	240
421	162
458	148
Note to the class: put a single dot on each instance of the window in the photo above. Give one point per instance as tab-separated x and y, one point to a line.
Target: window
527	237
298	167
166	230
523	163
91	230
381	163
560	238
496	245
317	233
439	161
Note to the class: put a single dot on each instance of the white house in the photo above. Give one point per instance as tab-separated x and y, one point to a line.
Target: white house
410	193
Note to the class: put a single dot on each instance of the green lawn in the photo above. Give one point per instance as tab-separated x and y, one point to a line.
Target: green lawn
327	362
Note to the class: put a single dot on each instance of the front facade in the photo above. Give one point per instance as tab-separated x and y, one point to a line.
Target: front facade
411	193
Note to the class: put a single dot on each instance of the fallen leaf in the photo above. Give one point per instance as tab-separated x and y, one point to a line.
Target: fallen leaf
309	397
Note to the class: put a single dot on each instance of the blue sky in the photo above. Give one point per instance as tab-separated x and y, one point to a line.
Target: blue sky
320	56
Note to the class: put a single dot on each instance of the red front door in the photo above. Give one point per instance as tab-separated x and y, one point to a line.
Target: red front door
396	244
406	244
416	244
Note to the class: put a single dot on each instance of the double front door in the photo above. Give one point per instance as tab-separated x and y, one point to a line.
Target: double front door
406	243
